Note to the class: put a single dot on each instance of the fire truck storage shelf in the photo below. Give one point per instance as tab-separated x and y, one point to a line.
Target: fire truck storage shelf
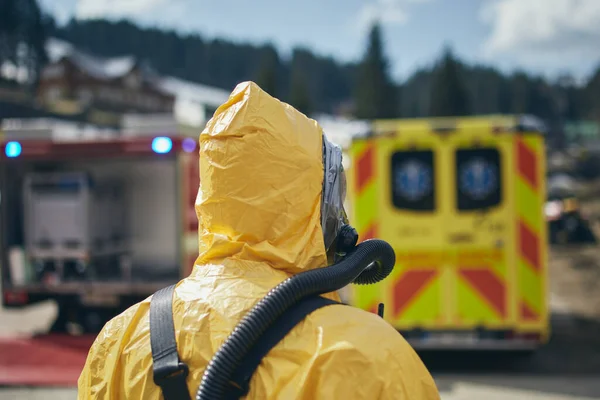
112	221
74	226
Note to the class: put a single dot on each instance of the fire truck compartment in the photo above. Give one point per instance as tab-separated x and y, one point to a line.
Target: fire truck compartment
120	217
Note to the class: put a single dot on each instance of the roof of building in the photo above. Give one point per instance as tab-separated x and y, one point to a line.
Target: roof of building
100	68
194	92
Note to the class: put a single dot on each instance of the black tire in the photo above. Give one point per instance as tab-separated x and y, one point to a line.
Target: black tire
585	234
60	324
517	360
92	320
66	310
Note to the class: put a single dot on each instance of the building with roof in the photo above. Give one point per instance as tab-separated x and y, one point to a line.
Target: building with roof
74	82
126	93
109	89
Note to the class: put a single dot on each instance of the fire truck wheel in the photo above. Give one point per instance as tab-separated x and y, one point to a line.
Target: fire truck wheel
67	313
92	320
585	234
60	324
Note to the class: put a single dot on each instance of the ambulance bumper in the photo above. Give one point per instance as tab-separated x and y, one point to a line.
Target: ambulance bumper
489	345
492	341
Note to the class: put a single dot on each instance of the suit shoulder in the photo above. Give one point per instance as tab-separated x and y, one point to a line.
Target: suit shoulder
359	322
353	342
367	336
125	322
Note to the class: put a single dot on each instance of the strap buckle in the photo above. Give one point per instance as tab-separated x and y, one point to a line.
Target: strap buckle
166	373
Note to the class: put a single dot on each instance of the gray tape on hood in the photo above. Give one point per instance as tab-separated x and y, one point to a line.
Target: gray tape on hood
333	215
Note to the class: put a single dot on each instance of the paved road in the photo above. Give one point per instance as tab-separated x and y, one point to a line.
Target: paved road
518	387
567	369
451	387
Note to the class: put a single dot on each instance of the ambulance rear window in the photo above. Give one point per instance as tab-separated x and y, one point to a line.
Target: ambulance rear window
413	180
478	179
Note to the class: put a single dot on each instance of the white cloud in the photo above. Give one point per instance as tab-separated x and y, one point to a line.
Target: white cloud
537	32
385	11
116	8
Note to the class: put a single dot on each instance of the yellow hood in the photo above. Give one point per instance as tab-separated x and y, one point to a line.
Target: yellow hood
261	174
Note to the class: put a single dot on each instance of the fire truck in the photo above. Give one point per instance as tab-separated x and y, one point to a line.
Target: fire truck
461	200
94	220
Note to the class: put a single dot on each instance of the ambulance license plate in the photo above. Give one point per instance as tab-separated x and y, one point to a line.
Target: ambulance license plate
452	337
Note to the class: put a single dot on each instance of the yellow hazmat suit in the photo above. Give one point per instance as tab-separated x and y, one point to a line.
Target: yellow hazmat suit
259	205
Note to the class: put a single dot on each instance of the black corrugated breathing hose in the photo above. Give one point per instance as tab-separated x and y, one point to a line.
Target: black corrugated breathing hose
370	262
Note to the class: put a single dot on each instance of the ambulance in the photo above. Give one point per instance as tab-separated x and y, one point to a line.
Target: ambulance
461	200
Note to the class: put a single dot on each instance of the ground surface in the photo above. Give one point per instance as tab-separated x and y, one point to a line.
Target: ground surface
568	368
452	387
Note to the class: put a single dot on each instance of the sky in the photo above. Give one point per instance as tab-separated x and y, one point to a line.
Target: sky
546	37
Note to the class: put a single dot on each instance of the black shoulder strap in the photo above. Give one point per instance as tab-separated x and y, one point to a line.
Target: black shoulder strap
240	383
169	372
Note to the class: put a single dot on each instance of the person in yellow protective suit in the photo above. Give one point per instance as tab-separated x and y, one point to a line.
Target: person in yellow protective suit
260	207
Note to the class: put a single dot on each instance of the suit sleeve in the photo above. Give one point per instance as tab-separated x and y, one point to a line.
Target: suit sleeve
105	368
91	383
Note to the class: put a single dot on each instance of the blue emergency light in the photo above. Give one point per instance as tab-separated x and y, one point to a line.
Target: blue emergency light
12	149
162	145
188	145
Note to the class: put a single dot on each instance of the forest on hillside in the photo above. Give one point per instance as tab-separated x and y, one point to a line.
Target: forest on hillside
311	82
318	83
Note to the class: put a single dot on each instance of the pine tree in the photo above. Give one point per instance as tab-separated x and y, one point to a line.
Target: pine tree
449	95
591	96
35	34
9	26
267	75
375	93
23	36
299	95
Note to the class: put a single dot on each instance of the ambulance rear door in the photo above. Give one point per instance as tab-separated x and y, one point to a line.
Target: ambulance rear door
397	195
480	228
